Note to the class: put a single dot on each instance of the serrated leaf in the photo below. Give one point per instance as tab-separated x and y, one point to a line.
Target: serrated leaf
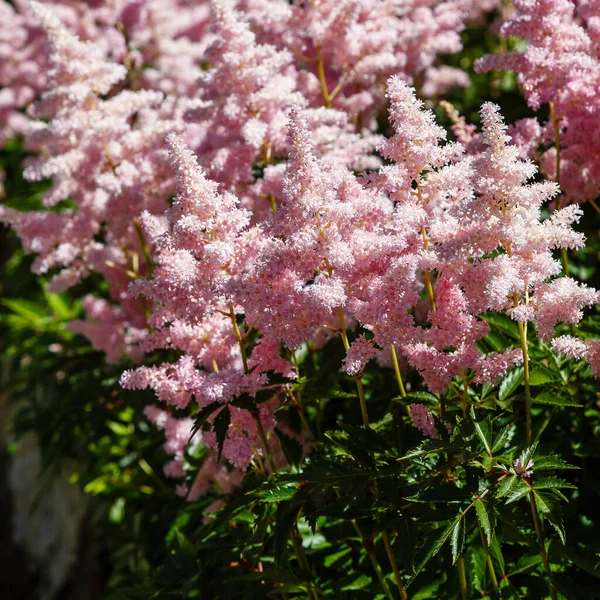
203	415
421	396
433	546
503	438
549	506
526	563
292	449
550	483
510	383
519	491
483	429
285	520
277	494
486	517
220	427
550	463
478	567
506	486
458	538
541	376
552	398
497	557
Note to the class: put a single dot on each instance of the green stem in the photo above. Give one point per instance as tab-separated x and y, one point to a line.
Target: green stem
300	554
488	559
462	577
321	71
368	546
397	371
524	347
144	245
359	385
540	537
265	444
394	564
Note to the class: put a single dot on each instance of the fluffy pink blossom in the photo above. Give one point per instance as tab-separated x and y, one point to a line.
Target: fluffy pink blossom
572	347
423	420
560	66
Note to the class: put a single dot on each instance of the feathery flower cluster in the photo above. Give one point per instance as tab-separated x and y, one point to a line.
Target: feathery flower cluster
272	240
561	67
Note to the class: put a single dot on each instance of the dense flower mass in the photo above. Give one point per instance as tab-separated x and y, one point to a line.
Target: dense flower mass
224	169
559	67
308	290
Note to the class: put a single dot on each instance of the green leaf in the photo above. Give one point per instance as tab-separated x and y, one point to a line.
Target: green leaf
549	506
507	485
510	383
280	493
503	438
486	517
552	398
483	429
552	483
526	563
550	463
503	324
28	309
60	304
458	538
292	449
203	415
433	545
581	561
519	491
220	427
478	567
285	520
497	558
541	376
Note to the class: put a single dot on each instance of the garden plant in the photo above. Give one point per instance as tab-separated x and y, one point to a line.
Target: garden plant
303	295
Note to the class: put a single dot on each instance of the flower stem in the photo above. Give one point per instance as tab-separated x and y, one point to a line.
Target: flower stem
376	566
265	444
462	577
300	554
465	395
321	70
540	537
524	347
397	371
488	559
394	564
144	245
240	338
359	384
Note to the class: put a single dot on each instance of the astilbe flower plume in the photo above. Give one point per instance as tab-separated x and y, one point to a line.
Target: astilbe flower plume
561	67
207	243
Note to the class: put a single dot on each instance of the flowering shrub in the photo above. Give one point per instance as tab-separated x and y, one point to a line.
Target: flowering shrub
311	328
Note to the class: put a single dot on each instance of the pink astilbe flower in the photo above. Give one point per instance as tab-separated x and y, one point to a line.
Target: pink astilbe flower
572	347
504	213
423	420
560	301
360	353
81	154
318	244
178	433
560	66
